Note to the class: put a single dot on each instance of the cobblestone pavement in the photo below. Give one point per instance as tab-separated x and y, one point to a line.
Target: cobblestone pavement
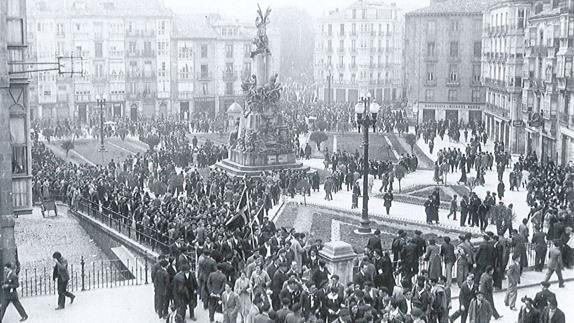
37	238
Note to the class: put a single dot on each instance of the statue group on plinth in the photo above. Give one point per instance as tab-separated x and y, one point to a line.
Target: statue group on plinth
260	139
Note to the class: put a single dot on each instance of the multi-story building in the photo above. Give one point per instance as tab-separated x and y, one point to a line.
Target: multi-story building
504	23
359	49
210	58
442	68
15	156
547	92
124	46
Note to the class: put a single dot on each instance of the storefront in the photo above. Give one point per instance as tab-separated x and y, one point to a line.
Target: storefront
205	106
451	111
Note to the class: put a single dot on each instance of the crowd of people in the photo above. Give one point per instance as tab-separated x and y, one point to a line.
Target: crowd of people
220	251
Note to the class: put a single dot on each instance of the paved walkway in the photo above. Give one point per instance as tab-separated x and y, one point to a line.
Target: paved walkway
135	304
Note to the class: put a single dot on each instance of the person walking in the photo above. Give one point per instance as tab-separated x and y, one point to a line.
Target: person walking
62	276
555	264
160	284
215	287
480	310
485	287
449	258
9	286
466	294
540	247
513	275
184	293
388	198
230	304
453	208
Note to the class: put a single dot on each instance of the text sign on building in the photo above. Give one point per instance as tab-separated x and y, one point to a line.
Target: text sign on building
451	106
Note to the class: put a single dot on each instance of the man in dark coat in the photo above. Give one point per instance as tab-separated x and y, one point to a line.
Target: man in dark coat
215	287
484	256
374	242
185	290
542	297
552	314
62	276
466	294
279	278
9	288
160	283
206	265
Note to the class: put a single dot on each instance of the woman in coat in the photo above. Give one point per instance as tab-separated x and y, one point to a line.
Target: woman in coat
243	290
434	261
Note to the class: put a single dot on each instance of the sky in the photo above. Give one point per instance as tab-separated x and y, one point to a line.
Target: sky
245	8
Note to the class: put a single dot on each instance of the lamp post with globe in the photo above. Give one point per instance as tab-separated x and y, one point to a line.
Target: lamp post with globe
366	111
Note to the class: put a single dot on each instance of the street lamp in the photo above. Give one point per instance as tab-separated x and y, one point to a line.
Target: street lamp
366	115
329	80
101	103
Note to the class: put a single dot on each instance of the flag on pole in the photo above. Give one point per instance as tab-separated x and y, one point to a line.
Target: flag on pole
240	218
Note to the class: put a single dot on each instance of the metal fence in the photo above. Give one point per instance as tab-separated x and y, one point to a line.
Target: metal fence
85	276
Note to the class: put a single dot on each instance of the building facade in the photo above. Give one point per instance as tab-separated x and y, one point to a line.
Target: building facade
15	145
547	91
503	48
359	48
442	69
210	59
124	46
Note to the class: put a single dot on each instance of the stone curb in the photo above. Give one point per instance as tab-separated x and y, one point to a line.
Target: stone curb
382	216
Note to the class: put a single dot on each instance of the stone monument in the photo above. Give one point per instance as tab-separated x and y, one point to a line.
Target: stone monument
260	140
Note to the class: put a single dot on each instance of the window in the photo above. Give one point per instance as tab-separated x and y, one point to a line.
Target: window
354	13
228	68
229	50
429	95
342	29
161	28
430	72
364	14
451	95
204	71
60	29
353	78
329	45
203	51
98	49
18	141
341	45
431	27
453	73
476	73
477	48
229	88
329	29
247	50
520	23
341	61
132	47
353	45
147	47
353	60
341	76
354	29
162	70
453	49
431	48
475	96
454	25
205	88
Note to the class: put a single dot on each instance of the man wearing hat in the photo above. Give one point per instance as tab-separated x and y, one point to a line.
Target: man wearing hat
542	297
279	278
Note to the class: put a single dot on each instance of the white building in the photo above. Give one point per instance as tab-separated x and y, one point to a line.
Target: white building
359	48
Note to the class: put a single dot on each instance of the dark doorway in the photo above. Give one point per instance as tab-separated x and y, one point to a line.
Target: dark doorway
134	113
428	115
82	113
451	116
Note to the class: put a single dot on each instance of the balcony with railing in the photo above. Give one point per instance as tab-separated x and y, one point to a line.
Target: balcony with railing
496	110
452	82
430	83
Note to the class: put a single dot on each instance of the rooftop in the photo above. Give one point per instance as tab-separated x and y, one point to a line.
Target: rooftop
452	7
110	8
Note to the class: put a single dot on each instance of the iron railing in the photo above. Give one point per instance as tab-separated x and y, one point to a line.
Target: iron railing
85	276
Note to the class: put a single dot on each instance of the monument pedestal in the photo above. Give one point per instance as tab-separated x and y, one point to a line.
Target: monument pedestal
339	257
242	163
